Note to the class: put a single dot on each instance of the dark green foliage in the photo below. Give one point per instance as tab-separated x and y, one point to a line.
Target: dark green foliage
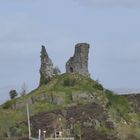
43	80
8	104
69	82
98	86
15	132
78	130
119	103
13	94
116	99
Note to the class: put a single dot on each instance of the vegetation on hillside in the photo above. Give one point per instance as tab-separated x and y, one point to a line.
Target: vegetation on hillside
74	91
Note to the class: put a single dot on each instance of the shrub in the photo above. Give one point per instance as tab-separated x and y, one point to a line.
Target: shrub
43	80
69	82
98	86
13	94
8	104
119	103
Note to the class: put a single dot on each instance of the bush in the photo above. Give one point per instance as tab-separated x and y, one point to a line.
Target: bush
98	86
119	103
13	94
43	80
69	82
8	104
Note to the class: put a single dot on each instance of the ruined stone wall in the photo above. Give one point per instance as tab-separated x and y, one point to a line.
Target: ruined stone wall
79	62
46	69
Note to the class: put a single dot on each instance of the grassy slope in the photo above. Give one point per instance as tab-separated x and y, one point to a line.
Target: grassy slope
65	86
60	86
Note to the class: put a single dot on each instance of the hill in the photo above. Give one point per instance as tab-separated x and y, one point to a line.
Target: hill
87	111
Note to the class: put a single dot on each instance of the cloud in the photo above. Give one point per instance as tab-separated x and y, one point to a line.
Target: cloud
110	3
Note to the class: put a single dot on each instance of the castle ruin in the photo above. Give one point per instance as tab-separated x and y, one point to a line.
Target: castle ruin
79	62
76	64
46	69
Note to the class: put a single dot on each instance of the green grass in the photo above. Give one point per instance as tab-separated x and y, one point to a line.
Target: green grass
119	104
63	87
59	87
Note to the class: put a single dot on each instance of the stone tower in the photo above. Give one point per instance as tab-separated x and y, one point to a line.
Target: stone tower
79	62
46	69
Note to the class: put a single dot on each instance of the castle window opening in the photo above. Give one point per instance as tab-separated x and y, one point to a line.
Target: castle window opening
71	69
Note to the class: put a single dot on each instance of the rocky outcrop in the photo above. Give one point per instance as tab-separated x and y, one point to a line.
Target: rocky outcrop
46	69
85	121
79	62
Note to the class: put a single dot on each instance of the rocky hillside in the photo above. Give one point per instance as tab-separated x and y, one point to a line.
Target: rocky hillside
89	121
78	105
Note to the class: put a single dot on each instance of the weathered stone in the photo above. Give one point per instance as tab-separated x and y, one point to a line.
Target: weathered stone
58	100
46	69
79	62
80	96
42	97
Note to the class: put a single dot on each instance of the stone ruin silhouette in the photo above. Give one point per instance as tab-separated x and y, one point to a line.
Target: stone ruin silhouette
78	63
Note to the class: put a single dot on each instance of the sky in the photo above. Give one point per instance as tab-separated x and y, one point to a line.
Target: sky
111	27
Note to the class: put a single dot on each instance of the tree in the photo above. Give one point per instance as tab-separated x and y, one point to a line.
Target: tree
56	70
23	89
13	94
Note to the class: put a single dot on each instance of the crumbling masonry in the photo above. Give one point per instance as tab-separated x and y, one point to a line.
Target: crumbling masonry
76	64
46	69
79	62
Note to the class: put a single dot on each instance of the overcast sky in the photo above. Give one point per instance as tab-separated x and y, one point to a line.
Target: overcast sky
112	27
